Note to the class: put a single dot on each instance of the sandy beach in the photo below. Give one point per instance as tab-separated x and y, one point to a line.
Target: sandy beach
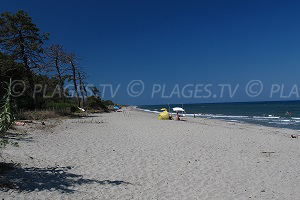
132	155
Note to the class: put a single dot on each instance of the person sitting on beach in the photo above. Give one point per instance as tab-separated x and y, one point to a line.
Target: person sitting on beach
177	117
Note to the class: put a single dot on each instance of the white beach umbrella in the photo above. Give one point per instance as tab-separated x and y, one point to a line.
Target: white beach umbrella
178	109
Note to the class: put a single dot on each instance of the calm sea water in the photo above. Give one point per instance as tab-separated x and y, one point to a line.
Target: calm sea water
283	114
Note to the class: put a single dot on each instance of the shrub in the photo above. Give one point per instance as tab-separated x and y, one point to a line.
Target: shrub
108	102
39	115
96	103
61	106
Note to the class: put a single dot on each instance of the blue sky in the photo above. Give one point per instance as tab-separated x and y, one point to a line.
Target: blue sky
178	42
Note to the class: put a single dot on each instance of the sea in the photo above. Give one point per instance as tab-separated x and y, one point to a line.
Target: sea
281	114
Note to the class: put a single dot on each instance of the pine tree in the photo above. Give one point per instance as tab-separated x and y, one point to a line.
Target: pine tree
20	38
73	67
57	58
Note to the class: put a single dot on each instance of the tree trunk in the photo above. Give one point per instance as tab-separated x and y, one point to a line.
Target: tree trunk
61	84
28	71
81	88
84	88
75	84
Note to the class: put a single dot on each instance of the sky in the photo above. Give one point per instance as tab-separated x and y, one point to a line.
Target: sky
158	52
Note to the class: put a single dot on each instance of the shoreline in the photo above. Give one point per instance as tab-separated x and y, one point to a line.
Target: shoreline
132	155
203	116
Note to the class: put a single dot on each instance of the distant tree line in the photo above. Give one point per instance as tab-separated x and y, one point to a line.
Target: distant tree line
37	71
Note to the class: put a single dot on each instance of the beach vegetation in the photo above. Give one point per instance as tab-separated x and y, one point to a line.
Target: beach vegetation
41	76
57	60
7	117
22	40
108	102
95	102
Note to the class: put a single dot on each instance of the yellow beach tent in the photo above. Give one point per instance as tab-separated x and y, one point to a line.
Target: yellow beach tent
163	115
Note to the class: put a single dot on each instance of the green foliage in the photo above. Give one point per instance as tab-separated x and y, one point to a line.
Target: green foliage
20	36
3	143
23	59
6	117
96	91
9	69
108	102
96	103
62	106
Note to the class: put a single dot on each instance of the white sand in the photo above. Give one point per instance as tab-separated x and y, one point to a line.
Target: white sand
140	157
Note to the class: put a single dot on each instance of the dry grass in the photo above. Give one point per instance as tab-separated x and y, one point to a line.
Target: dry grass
54	113
40	115
97	111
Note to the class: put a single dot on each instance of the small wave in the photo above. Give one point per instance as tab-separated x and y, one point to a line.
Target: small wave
227	116
283	123
191	115
260	117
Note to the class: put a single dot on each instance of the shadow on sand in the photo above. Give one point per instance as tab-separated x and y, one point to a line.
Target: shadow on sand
54	178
